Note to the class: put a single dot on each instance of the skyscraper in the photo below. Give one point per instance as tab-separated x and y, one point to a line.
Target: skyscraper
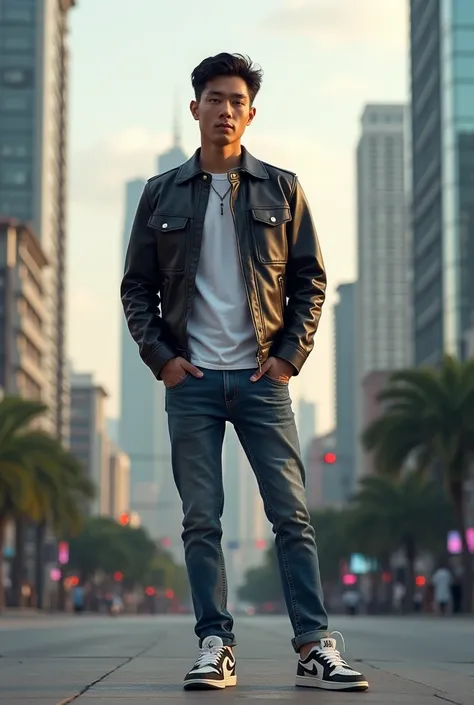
442	88
345	341
89	441
306	424
33	171
383	289
143	430
139	413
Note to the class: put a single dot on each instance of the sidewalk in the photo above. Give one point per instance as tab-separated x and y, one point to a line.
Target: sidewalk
142	660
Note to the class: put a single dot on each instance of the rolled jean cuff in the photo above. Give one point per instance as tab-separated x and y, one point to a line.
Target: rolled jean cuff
227	641
309	638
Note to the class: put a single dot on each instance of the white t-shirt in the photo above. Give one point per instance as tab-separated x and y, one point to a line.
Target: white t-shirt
220	328
442	580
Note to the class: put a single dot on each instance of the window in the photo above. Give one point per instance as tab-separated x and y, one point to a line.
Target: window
14	147
13	175
18	43
18	11
14	103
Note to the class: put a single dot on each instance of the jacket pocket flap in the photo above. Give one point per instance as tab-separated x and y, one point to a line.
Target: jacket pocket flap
272	216
167	223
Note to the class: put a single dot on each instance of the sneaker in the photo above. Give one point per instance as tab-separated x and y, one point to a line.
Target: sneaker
214	667
325	668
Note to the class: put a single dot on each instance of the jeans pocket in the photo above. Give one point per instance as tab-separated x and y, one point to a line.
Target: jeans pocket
179	384
276	382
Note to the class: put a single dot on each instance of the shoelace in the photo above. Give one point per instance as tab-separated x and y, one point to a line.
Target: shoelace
209	657
333	656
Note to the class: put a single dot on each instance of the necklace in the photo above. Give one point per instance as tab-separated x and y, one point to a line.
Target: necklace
221	198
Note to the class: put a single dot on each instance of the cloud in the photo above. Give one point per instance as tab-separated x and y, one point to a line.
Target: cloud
372	24
100	172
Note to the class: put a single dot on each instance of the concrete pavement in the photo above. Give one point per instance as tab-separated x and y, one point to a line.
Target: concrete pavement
141	660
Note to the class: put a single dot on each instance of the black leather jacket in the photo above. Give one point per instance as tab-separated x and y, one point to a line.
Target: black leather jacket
281	260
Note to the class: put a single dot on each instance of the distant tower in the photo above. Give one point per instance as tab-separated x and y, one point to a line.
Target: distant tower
143	427
175	156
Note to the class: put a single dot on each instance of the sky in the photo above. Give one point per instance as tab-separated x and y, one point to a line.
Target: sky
323	60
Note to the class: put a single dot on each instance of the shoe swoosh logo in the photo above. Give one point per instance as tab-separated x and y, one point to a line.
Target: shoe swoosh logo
230	665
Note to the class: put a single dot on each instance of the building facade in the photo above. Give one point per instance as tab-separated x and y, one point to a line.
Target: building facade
345	381
89	440
442	126
383	336
34	67
143	428
119	481
22	311
306	424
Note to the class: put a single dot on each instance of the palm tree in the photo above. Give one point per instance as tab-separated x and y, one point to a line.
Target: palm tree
409	512
39	480
429	421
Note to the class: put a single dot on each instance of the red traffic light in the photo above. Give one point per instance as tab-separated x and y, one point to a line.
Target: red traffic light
118	576
124	519
329	458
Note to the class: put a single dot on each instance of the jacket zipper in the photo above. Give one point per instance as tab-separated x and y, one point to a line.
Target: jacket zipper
282	296
231	203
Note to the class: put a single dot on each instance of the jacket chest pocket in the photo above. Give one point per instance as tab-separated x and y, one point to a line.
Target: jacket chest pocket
171	232
269	228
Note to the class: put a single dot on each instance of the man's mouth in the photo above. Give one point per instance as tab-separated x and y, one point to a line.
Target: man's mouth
224	126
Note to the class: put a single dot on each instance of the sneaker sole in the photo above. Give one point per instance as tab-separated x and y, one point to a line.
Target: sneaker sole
201	684
312	682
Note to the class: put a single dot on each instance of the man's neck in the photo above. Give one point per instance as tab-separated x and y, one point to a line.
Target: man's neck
219	160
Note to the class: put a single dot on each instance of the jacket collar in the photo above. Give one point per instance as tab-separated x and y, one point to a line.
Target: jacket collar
249	164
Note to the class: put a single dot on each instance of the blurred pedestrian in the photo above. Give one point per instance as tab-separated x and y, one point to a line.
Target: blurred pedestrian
442	580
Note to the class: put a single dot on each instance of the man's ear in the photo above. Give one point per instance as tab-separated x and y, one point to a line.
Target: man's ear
194	108
253	112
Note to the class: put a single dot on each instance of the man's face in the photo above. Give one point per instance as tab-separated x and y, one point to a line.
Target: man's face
224	110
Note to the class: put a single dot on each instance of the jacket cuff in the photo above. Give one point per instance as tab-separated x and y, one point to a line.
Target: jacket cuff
158	358
295	356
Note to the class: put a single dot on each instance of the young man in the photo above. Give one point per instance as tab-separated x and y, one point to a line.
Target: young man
228	245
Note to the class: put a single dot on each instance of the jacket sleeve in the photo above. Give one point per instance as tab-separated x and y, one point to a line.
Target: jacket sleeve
305	283
139	291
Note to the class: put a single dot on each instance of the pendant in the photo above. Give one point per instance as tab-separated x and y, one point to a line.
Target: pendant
222	208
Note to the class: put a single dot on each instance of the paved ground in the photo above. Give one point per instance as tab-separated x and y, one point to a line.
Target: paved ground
136	661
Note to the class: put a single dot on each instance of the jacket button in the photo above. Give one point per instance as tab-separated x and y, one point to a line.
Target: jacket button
233	176
164	226
273	219
204	177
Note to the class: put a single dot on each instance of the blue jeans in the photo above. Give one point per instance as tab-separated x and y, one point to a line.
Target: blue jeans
263	419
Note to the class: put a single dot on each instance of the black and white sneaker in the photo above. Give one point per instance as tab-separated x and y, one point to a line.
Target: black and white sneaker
325	668
214	667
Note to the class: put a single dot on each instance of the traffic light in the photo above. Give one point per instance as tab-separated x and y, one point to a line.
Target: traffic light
329	458
124	519
118	576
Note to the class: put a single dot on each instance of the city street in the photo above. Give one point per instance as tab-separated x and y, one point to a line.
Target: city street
139	660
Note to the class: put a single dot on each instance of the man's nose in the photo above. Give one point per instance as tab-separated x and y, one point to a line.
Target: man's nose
225	111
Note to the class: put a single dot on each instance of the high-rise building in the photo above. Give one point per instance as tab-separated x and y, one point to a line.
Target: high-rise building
383	289
119	481
442	93
345	353
175	156
138	425
143	429
22	311
33	171
325	483
89	440
306	423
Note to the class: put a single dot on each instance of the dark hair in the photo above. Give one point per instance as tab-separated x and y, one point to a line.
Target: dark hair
227	65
